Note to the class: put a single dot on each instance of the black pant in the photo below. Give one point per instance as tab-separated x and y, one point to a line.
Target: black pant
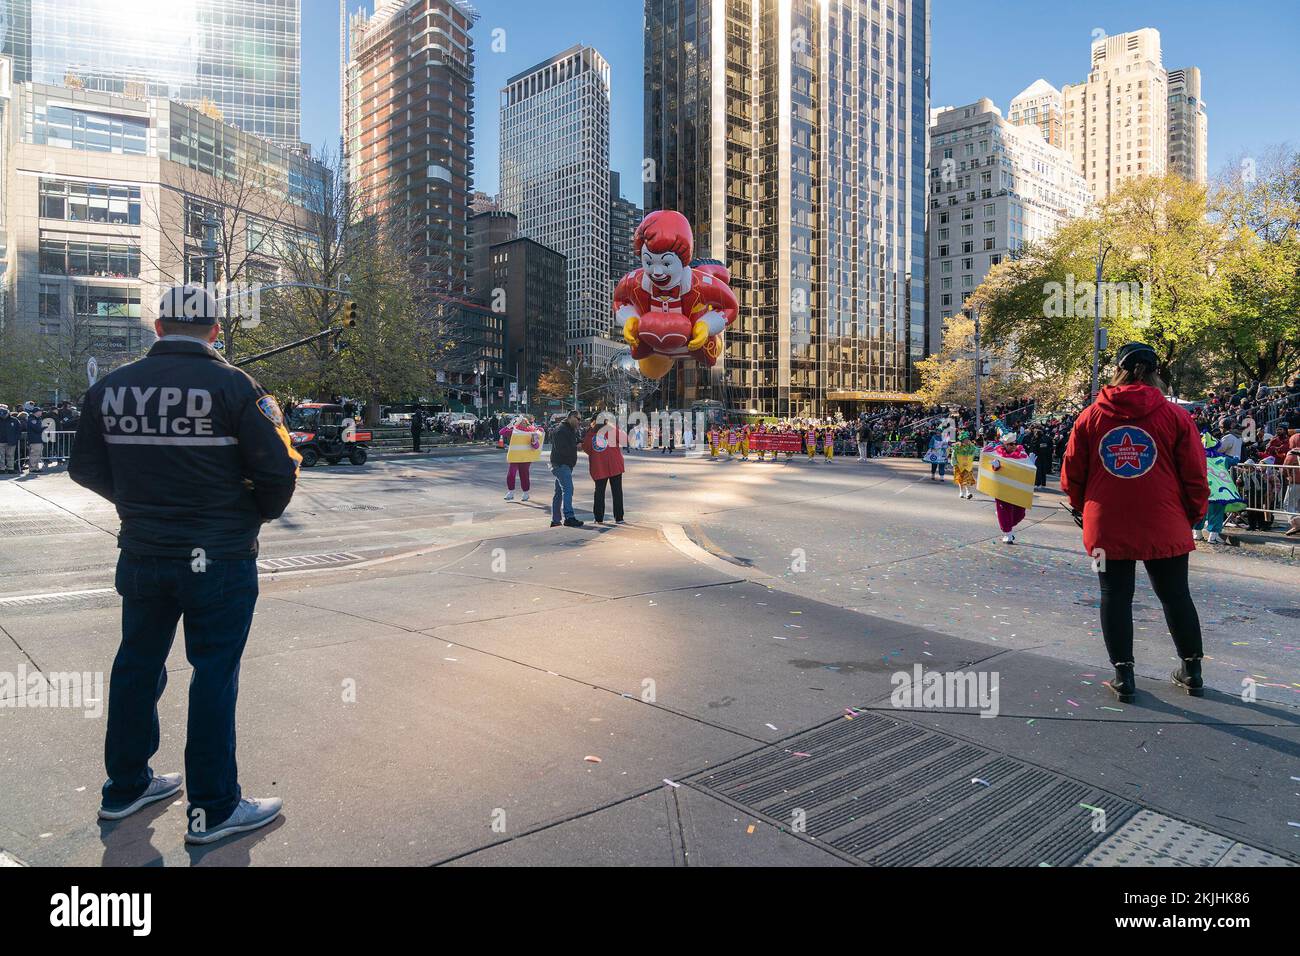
1169	581
1044	467
415	441
598	506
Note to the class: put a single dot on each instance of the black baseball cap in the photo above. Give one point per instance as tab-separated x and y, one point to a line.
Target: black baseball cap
1134	352
191	304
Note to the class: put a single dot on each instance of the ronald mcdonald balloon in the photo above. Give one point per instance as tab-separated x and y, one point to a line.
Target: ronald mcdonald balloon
669	308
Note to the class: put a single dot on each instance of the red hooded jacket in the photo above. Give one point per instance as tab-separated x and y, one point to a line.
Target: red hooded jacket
1135	467
604	461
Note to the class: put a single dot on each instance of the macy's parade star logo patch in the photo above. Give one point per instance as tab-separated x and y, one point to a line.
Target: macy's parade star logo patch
1127	451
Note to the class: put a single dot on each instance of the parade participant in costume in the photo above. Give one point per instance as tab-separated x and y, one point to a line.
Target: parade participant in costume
1009	515
1134	471
715	438
963	465
744	443
810	442
937	455
1224	497
521	452
668	309
828	444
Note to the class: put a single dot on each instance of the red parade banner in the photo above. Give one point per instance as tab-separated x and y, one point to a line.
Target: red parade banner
787	442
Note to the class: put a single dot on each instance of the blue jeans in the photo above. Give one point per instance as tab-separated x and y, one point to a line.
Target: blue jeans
216	604
563	491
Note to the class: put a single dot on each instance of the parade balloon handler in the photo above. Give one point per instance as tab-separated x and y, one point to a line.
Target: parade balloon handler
195	457
522	450
963	465
668	309
1135	470
1009	514
564	458
605	462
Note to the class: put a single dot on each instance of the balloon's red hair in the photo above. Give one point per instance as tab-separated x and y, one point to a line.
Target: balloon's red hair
665	230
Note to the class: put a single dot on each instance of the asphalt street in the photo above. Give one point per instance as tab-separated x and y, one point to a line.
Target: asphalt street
436	676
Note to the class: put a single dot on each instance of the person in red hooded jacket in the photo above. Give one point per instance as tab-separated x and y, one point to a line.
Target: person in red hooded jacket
1134	471
605	461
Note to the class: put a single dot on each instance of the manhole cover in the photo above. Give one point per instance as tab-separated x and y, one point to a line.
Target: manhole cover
1286	611
892	793
366	508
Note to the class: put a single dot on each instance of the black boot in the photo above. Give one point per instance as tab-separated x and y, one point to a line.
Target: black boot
1123	685
1188	677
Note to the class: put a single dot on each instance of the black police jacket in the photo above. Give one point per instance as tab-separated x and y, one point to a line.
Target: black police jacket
191	450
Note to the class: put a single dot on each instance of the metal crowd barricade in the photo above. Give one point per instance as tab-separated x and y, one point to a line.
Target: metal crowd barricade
1269	489
52	452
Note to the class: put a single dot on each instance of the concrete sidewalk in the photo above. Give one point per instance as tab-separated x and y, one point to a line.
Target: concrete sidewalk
598	696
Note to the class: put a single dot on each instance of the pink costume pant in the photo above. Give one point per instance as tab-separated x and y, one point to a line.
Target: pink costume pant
1009	515
520	468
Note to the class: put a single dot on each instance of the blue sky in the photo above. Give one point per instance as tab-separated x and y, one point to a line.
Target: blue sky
1247	52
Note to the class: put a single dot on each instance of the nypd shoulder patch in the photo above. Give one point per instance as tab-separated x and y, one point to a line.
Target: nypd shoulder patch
268	406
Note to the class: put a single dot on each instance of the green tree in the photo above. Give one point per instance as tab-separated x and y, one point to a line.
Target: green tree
1259	205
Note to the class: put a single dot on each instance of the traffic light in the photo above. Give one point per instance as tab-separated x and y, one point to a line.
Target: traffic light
350	314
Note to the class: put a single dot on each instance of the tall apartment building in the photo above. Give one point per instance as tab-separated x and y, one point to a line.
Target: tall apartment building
1039	104
555	178
236	60
624	217
1188	126
532	278
486	229
1117	121
994	186
792	135
408	132
103	201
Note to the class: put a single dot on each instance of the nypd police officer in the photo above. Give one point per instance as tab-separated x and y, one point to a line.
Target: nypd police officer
195	456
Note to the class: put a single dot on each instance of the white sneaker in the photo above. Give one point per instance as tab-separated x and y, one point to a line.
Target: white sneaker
1008	539
162	786
1215	538
1196	535
510	496
251	814
525	497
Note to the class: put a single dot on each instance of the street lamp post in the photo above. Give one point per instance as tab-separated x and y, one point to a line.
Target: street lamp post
979	375
1096	314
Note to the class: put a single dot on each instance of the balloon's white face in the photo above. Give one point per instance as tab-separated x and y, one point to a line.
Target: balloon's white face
665	269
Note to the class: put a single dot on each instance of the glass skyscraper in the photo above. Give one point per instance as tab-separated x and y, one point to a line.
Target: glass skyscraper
237	60
555	178
792	133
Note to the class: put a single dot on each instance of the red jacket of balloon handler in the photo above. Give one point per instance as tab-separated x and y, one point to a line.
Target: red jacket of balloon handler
603	455
1135	467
